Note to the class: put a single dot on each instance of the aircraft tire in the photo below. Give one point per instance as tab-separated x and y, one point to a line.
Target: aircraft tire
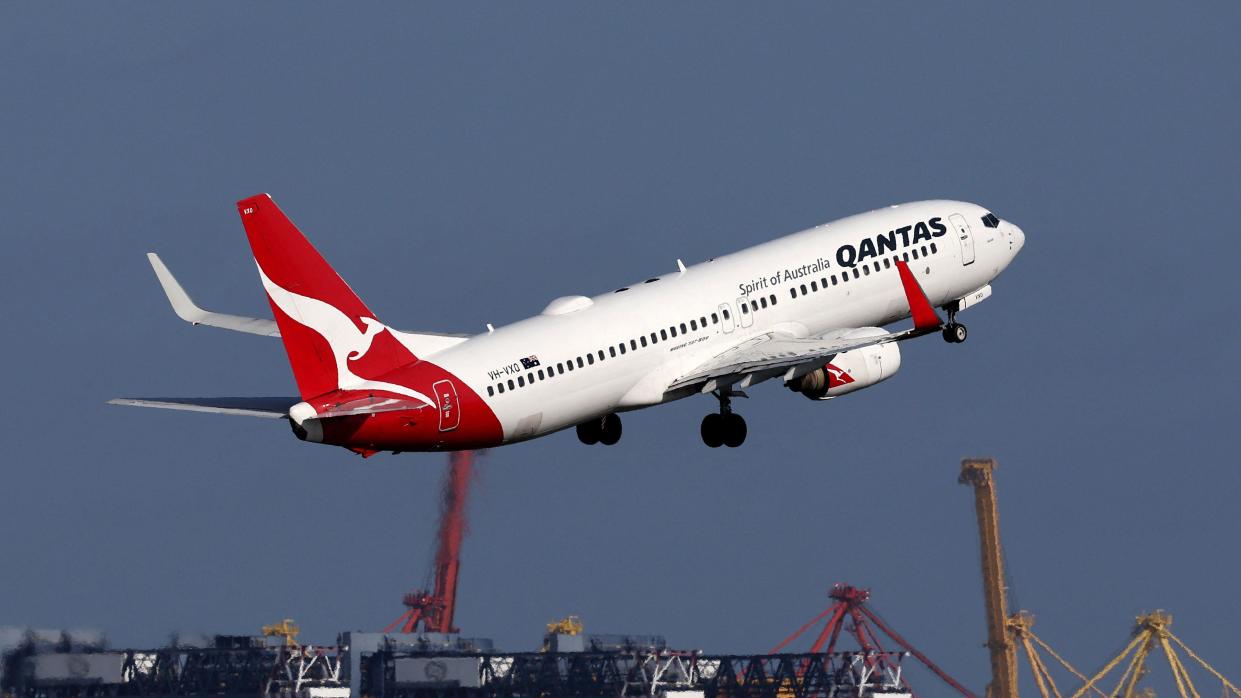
734	430
589	432
610	431
712	430
955	333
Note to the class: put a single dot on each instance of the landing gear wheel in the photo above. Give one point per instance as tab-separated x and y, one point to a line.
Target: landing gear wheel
589	432
713	430
734	430
955	333
610	430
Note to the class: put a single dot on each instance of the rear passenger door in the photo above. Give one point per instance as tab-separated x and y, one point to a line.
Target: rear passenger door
726	318
744	316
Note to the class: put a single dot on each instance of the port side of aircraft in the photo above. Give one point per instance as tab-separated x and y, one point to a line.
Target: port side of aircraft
807	309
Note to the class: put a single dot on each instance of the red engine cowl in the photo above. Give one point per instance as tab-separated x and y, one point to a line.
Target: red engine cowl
849	371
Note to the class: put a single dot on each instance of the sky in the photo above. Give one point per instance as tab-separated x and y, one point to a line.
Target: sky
465	164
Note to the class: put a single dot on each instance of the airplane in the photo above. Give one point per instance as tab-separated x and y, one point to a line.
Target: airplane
807	309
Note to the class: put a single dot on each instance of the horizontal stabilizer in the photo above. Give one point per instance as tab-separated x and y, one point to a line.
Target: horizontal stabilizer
187	310
270	407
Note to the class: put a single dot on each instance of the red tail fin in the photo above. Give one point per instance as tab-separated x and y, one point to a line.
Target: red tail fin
332	338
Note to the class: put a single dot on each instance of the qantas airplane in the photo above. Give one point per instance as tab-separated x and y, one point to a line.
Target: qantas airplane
807	309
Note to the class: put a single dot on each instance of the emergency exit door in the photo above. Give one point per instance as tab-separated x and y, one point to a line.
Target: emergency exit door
450	410
966	236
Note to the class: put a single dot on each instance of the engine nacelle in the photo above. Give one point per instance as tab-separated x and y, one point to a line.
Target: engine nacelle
849	371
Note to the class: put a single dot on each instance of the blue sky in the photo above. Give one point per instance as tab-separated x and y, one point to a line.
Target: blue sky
464	165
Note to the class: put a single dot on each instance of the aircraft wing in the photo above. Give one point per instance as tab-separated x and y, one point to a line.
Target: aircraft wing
764	356
269	407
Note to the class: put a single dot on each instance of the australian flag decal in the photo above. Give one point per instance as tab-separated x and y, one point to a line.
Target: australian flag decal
530	361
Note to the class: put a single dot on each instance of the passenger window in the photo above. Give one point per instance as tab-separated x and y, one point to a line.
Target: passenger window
623	348
655	338
642	339
924	250
501	387
521	381
792	293
590	359
856	273
727	315
745	309
540	374
569	364
754	306
833	280
803	289
702	322
490	391
866	271
715	318
693	325
905	257
683	330
612	352
560	369
934	249
915	253
510	384
663	334
773	298
633	344
763	302
876	265
814	286
601	357
887	263
579	362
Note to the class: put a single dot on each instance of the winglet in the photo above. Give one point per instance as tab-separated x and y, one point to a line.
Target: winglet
187	310
925	317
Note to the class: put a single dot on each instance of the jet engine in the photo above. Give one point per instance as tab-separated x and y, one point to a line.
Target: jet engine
849	371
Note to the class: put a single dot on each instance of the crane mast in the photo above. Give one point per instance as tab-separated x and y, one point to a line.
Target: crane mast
978	474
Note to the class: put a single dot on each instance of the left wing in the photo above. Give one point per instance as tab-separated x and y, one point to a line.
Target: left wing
269	407
764	356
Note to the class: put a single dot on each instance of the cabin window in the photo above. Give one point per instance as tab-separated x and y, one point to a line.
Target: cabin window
856	273
814	286
693	324
905	257
521	381
590	359
745	309
633	344
754	306
663	334
792	293
623	348
715	318
579	362
773	298
762	302
511	386
490	391
915	253
924	250
654	338
866	271
876	266
540	374
833	281
702	322
501	388
642	339
683	330
803	289
887	263
727	315
601	356
612	351
934	249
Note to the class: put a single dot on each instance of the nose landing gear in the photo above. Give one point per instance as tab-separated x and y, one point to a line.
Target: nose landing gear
954	332
725	428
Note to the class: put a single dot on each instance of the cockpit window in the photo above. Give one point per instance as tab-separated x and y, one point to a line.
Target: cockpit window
991	221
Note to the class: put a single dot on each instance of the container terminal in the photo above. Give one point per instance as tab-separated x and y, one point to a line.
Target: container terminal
853	652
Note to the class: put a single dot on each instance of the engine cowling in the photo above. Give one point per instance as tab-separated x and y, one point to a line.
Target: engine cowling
849	371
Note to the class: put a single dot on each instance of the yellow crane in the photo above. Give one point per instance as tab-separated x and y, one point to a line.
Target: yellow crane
1150	633
978	472
285	629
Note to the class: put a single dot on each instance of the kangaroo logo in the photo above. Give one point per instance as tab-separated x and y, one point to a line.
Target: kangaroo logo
341	334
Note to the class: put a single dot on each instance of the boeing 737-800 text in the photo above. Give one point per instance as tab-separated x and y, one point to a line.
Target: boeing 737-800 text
806	309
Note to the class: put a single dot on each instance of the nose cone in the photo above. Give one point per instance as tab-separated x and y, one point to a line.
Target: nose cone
1016	237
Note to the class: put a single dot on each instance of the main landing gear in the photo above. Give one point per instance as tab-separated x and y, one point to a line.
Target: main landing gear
726	428
954	332
604	430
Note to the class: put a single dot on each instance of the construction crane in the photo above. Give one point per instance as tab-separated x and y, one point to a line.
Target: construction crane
433	610
978	473
849	613
1151	632
285	629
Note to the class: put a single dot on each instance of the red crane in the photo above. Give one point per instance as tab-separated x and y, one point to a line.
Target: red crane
849	604
434	609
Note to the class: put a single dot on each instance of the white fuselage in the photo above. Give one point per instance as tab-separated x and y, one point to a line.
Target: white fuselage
576	327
